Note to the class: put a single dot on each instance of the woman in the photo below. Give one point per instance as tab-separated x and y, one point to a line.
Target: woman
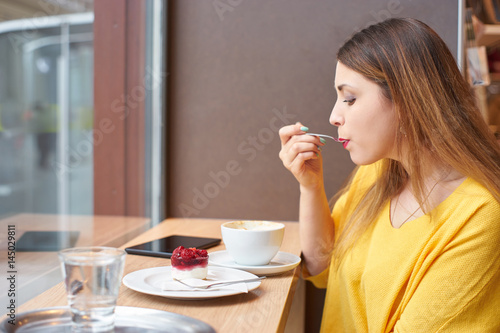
412	244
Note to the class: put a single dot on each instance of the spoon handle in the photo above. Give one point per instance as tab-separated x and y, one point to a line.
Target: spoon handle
207	286
325	136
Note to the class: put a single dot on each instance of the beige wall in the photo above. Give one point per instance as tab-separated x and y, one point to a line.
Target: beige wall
239	70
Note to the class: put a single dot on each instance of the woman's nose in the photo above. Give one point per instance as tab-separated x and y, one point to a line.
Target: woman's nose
335	118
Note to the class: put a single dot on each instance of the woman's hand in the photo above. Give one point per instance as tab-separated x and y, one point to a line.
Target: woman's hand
301	155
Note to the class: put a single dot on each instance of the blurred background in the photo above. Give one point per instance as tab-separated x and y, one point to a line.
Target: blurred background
46	106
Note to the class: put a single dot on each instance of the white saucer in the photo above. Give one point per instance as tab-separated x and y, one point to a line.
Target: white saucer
281	263
150	280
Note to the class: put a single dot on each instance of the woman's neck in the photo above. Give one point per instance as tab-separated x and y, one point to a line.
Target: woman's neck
437	183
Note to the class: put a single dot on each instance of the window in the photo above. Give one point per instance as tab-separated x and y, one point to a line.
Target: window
46	110
73	143
81	128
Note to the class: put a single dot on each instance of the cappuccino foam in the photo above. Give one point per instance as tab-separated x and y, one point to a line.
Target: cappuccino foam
253	225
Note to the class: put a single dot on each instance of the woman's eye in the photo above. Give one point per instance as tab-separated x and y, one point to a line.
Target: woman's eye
350	101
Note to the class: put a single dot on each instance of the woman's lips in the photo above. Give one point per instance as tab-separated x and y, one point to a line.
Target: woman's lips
345	142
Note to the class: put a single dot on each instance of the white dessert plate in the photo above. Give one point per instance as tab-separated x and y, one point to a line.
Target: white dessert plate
281	263
150	281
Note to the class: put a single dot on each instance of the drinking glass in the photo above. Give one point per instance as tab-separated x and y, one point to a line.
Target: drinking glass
92	276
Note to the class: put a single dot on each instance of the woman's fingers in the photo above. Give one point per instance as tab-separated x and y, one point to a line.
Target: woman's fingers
298	150
300	154
298	164
287	132
294	149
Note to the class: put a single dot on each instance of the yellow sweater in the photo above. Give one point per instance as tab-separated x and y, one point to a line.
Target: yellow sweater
437	273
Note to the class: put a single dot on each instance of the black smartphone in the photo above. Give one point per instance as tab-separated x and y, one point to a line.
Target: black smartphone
46	241
165	246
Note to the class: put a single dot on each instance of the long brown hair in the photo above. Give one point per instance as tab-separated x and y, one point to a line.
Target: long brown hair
437	112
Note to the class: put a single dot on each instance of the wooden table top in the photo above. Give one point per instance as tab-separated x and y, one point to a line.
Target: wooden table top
38	271
264	309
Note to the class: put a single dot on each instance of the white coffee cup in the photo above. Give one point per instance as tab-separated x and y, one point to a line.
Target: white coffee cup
252	243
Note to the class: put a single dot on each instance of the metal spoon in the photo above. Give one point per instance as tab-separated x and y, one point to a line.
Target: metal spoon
326	136
206	286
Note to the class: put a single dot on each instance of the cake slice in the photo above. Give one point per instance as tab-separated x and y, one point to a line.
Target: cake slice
189	263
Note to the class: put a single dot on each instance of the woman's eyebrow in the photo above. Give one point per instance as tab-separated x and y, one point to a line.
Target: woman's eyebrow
340	86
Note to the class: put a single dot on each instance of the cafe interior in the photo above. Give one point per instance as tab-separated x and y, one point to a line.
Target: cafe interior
127	121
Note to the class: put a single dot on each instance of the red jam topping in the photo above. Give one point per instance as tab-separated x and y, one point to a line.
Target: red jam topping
183	258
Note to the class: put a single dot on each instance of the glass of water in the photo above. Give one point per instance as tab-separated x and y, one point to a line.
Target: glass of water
93	277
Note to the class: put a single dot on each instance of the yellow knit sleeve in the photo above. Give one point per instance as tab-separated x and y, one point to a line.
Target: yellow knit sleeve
320	280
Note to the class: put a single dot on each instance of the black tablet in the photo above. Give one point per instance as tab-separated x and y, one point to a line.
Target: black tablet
165	246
